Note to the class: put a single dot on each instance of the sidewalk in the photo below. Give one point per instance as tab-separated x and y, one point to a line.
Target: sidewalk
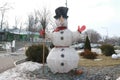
7	59
6	63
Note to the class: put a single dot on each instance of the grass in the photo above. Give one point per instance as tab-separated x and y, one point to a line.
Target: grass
105	61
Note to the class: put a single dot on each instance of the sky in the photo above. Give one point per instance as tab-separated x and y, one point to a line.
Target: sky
102	16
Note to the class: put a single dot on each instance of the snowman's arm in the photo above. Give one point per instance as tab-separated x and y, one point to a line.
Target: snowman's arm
77	36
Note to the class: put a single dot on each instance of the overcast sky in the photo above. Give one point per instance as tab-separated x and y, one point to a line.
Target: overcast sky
101	15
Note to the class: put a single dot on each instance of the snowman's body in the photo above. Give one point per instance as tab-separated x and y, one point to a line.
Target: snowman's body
62	58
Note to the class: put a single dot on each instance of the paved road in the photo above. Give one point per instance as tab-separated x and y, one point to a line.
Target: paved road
6	63
7	59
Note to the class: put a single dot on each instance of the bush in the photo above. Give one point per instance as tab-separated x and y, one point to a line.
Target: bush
88	54
107	49
35	53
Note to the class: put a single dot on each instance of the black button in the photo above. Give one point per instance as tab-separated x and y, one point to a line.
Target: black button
61	32
62	55
62	38
62	49
62	64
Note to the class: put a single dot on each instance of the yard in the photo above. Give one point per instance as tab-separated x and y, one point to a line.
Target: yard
100	61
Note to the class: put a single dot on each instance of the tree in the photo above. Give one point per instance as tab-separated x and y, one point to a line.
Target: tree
87	44
17	21
87	50
31	26
93	35
113	40
3	10
44	17
38	20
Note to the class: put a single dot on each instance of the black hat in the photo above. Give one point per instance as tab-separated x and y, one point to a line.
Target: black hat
61	11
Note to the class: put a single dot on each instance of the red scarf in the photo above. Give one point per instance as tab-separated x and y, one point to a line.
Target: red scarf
60	28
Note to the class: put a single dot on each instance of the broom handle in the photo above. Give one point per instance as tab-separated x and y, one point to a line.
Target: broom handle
43	55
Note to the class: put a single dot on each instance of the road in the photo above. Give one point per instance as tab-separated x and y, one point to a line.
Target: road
7	59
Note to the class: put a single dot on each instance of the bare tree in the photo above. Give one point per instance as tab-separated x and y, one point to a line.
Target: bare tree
31	26
30	22
3	10
44	17
113	40
93	35
38	20
17	21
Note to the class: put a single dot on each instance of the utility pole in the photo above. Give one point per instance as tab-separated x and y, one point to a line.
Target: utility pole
66	3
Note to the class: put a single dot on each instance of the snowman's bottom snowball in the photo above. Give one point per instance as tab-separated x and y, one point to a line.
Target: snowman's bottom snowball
62	60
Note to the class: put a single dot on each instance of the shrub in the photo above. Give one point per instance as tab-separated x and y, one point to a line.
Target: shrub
87	44
88	54
35	53
87	50
107	49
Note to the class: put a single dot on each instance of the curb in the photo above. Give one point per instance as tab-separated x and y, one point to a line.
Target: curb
19	62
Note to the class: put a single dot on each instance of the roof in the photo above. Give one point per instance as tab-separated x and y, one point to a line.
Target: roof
18	31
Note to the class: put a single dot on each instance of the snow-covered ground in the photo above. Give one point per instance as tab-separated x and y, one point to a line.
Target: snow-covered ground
97	50
26	71
20	72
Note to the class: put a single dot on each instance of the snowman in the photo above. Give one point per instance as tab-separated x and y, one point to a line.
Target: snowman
63	58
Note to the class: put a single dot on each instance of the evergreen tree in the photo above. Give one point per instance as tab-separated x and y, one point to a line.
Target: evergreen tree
87	44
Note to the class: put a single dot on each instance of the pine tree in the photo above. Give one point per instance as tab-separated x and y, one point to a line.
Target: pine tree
87	44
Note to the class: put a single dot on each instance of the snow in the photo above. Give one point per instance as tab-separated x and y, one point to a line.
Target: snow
117	51
97	50
118	78
114	56
18	73
29	66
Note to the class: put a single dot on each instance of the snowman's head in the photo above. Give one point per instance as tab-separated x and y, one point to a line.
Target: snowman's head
61	22
61	16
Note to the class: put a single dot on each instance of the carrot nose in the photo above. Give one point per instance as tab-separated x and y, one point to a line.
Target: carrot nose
61	19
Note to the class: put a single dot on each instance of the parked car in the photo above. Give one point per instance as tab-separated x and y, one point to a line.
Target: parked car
78	46
95	45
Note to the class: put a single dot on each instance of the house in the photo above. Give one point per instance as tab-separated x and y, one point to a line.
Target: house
17	34
2	33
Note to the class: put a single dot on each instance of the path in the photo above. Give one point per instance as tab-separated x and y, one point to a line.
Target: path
6	63
7	59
